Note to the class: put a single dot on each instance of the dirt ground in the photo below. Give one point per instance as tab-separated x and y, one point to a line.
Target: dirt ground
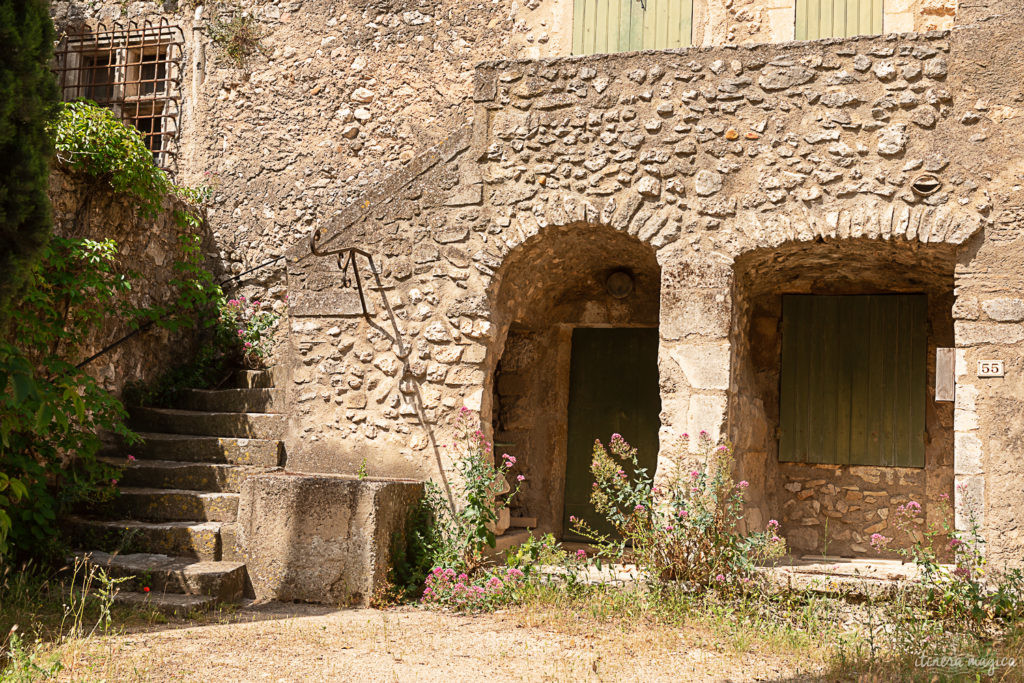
306	643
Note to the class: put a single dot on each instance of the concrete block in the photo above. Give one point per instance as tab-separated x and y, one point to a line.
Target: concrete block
321	539
967	454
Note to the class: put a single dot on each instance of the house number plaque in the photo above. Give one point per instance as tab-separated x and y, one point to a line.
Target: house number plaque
990	368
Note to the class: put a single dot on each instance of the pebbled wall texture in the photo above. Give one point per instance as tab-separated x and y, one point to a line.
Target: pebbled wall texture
734	167
721	176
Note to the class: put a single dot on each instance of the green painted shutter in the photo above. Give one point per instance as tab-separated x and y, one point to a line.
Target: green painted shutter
837	18
602	26
854	381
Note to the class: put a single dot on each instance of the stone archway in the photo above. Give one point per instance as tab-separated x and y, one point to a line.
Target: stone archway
551	285
827	507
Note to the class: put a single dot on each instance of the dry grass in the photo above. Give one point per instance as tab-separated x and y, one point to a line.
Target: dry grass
296	642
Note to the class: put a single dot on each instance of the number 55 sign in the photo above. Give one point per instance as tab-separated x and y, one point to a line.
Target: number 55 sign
990	368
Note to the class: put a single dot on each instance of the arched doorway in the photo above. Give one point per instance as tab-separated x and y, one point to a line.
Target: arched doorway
578	307
833	409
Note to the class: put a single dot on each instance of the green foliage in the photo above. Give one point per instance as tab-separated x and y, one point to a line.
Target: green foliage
28	90
687	529
90	139
52	412
456	539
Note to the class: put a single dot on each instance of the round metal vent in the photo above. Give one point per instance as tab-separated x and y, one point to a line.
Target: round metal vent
925	185
619	284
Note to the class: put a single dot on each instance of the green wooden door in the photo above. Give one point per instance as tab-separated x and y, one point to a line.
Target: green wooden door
854	380
837	18
613	388
601	26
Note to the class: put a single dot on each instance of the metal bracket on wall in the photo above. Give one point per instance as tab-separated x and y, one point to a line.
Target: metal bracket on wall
347	260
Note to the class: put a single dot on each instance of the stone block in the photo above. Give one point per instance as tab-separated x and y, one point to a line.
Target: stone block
976	333
967	454
969	501
706	413
706	366
322	539
1004	310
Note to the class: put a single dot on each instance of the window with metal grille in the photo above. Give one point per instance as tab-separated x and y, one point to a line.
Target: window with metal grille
134	70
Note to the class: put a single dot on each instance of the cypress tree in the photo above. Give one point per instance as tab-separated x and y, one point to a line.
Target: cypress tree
28	92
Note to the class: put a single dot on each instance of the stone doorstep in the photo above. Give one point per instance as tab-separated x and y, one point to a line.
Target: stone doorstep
189	476
180	539
223	581
196	423
168	505
210	449
269	401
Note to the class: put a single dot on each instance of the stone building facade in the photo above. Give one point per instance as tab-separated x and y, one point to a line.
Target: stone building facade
719	179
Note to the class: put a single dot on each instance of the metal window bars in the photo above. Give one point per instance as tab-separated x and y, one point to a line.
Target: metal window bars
134	69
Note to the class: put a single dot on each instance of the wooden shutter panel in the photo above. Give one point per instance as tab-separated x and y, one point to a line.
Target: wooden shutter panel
854	380
837	18
602	26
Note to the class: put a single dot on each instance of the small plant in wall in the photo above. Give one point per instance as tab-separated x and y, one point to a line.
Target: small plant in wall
238	35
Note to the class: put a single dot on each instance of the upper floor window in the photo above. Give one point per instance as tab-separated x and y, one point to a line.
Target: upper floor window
135	70
600	26
837	18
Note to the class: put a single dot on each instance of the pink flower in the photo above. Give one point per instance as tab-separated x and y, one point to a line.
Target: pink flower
744	484
723	448
639	508
720	578
113	482
773	524
694	474
617	437
954	542
684	513
248	345
514	573
520	478
241	333
131	458
572	518
255	303
581	553
510	459
669	527
878	541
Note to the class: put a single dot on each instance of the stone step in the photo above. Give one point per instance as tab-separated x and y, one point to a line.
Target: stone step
233	400
172	604
212	449
190	476
254	379
170	505
237	425
224	581
184	539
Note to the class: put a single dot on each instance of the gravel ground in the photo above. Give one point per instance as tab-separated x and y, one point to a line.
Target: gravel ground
306	643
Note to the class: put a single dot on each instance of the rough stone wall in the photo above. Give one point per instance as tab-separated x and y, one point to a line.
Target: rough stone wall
342	94
148	247
705	155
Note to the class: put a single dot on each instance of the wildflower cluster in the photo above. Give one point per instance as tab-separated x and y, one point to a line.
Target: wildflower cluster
686	528
461	591
965	591
247	325
457	538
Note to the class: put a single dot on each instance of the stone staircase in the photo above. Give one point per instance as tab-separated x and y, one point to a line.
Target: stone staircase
173	525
